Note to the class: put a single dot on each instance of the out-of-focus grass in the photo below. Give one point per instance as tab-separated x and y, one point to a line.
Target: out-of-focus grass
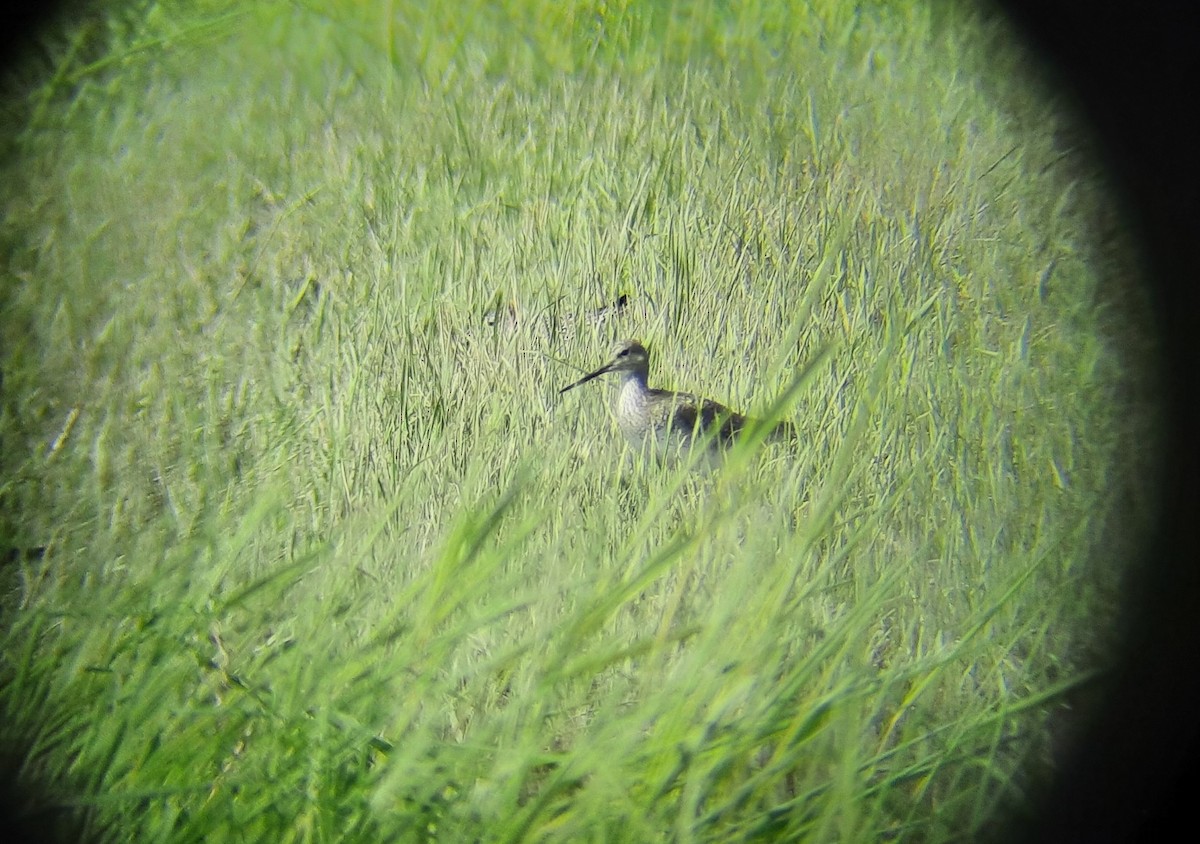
326	556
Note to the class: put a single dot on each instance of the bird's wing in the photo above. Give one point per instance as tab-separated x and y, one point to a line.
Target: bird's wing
699	416
692	413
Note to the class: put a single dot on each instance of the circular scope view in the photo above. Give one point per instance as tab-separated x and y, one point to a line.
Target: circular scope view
557	422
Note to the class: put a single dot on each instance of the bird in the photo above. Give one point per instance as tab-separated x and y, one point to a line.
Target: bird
506	317
666	421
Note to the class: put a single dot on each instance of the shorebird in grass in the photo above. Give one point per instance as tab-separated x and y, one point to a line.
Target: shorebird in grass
506	317
666	421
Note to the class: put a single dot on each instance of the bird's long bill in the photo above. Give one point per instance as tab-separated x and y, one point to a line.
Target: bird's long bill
606	368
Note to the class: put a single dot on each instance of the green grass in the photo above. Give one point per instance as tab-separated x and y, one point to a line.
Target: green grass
327	557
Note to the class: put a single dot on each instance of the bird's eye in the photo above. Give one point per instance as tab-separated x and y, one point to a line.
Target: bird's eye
623	353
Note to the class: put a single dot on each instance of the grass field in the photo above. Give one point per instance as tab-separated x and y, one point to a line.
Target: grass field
299	547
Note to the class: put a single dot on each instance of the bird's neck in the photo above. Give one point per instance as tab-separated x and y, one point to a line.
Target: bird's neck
633	407
634	381
633	392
